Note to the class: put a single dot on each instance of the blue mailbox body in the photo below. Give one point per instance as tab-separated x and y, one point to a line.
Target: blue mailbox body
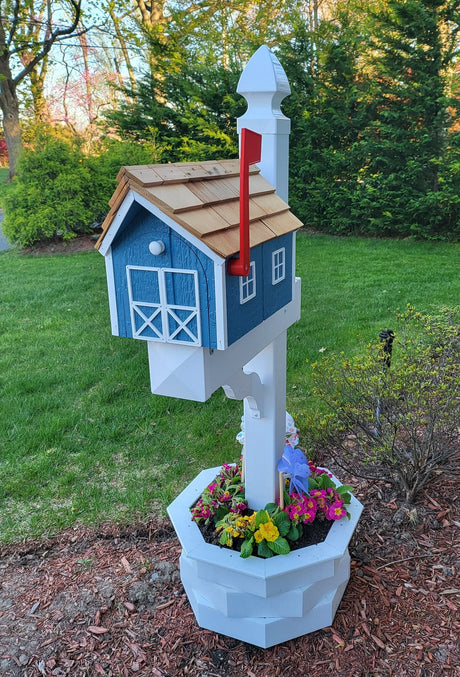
167	240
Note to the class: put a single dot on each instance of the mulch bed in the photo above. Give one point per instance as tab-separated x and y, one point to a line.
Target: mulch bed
109	601
80	243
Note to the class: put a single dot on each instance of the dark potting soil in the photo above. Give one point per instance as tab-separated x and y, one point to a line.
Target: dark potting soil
313	534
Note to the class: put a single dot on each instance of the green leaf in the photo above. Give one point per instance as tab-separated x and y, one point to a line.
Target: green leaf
295	532
246	548
280	546
263	550
344	489
261	518
223	540
325	482
312	484
272	509
282	522
221	512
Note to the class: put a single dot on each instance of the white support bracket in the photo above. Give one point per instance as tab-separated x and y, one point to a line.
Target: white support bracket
242	385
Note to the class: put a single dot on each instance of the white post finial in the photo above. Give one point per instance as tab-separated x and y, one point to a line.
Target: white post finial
264	85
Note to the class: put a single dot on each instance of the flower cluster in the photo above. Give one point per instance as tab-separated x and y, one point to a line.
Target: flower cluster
323	501
268	532
264	530
224	494
319	503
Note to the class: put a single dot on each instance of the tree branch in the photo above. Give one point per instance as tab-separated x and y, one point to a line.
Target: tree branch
14	23
56	36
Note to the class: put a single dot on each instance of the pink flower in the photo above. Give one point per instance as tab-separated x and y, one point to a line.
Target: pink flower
309	503
320	496
336	511
309	516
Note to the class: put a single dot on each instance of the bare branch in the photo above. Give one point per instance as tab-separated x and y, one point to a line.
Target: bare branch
14	23
56	36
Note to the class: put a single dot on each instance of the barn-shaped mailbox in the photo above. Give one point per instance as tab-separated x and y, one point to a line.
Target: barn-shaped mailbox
167	241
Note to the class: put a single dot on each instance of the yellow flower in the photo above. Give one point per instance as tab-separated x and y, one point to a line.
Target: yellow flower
250	519
269	531
258	536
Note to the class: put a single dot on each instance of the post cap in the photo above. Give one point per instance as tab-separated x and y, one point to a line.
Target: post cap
263	73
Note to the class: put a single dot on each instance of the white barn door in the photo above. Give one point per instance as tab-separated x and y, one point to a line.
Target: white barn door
164	304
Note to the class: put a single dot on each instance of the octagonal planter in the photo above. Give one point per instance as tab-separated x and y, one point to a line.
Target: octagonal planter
261	601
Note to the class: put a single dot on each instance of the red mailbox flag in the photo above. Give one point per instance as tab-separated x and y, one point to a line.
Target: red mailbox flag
251	144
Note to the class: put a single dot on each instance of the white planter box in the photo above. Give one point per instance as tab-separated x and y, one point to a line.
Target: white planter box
261	601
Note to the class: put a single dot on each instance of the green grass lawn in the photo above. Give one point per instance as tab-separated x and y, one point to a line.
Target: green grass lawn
81	436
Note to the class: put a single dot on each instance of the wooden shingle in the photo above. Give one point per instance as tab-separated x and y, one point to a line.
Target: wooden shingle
200	222
173	197
203	197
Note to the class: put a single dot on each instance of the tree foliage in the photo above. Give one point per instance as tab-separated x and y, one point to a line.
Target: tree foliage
28	31
375	137
188	108
409	151
375	121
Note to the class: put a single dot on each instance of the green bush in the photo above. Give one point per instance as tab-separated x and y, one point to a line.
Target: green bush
397	422
59	192
105	164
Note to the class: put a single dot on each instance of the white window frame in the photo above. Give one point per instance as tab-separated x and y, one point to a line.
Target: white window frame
246	283
278	265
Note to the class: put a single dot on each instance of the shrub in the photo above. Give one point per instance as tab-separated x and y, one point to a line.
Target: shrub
112	155
52	194
399	422
59	191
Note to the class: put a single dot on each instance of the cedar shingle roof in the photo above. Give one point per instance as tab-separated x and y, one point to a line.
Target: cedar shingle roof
203	197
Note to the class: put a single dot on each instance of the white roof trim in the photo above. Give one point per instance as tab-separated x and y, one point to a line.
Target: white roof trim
122	212
156	211
116	223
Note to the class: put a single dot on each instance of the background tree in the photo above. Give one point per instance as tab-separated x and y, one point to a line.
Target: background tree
409	146
91	73
25	40
29	50
330	105
188	102
375	136
374	150
188	109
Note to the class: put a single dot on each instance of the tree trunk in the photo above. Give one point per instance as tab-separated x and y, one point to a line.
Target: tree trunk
41	110
124	49
10	109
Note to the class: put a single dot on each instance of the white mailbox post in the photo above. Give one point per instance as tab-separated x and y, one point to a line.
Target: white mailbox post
264	85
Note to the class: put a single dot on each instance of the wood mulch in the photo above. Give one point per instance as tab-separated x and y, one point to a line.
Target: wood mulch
109	601
82	243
